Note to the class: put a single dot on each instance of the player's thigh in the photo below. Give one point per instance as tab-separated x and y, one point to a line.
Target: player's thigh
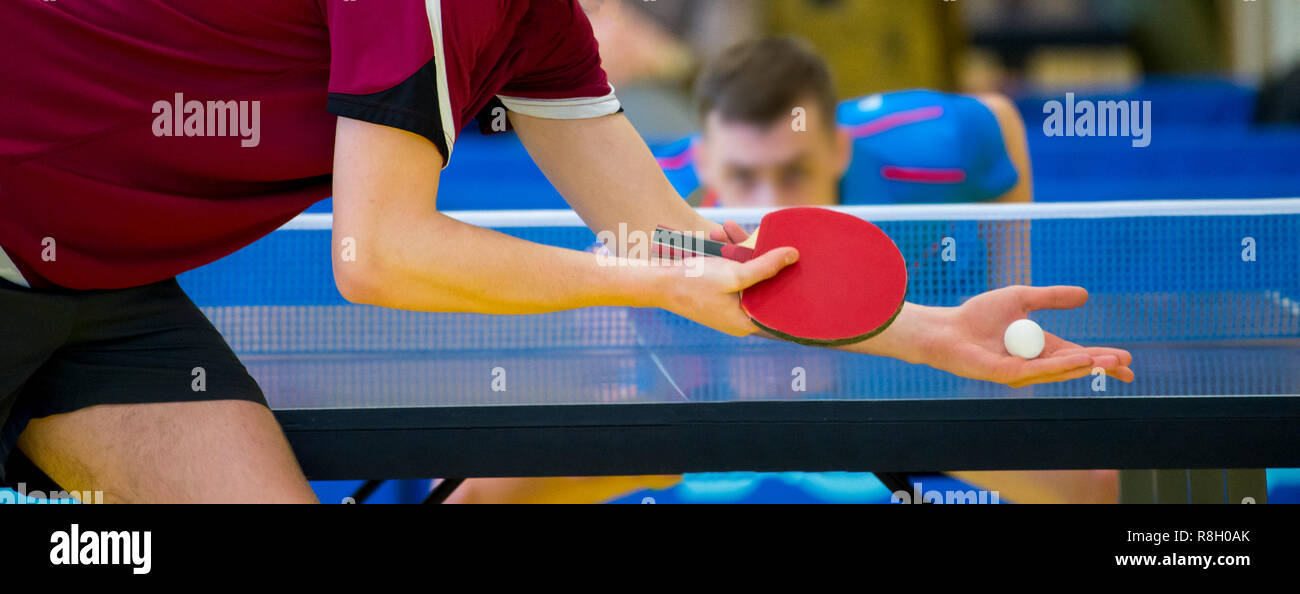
1047	486
201	451
557	489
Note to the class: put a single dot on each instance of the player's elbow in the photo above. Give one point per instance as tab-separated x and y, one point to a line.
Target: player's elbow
380	282
360	285
365	272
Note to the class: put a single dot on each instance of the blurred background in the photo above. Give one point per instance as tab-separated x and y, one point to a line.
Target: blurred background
1015	47
1223	77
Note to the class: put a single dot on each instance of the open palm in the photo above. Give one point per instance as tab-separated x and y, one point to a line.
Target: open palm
969	342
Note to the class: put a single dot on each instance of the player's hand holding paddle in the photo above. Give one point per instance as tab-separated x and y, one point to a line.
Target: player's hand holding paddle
709	292
848	285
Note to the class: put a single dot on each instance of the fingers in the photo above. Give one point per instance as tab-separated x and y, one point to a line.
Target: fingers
1057	364
1067	361
1111	364
1053	378
1102	356
1122	356
1056	297
731	232
1123	374
1056	345
766	266
1106	358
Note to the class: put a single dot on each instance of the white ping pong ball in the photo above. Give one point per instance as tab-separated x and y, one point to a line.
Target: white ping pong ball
1024	338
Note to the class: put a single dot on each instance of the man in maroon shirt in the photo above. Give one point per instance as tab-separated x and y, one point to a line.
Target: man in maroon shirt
143	138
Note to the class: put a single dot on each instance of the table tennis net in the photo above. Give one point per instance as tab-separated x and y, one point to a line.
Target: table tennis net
1156	272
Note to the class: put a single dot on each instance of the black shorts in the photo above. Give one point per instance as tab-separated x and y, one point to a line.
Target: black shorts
61	351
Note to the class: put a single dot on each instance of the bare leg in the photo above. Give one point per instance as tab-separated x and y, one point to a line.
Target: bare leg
1048	486
227	451
556	489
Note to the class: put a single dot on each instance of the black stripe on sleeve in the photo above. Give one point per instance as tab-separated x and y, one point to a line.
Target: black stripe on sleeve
411	105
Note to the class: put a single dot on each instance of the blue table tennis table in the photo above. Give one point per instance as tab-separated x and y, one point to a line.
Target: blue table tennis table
1206	294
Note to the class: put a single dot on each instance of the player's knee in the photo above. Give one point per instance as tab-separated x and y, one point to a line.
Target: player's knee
1106	486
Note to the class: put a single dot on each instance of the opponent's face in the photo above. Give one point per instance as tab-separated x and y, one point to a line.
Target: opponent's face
774	165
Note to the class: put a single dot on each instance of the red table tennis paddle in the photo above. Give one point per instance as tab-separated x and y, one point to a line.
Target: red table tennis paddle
848	285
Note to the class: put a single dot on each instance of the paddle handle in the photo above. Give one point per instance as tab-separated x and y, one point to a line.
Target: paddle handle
679	243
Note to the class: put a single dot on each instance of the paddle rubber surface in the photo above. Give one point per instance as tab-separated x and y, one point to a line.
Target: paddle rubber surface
849	284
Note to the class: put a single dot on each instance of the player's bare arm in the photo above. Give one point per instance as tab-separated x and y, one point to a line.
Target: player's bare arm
607	174
967	340
1013	137
394	249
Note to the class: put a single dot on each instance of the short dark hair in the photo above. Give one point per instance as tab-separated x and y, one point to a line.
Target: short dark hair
757	82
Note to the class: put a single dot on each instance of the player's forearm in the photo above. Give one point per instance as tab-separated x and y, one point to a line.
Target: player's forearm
431	262
604	170
906	338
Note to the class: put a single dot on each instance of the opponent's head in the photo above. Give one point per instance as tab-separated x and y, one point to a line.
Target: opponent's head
767	111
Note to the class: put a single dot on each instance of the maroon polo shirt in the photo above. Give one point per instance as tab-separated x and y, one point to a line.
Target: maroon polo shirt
143	138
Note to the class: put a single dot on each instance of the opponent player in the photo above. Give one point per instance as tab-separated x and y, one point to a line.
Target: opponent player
144	138
903	147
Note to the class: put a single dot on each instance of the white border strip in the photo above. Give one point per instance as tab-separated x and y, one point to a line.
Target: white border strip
894	212
577	108
9	271
434	9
